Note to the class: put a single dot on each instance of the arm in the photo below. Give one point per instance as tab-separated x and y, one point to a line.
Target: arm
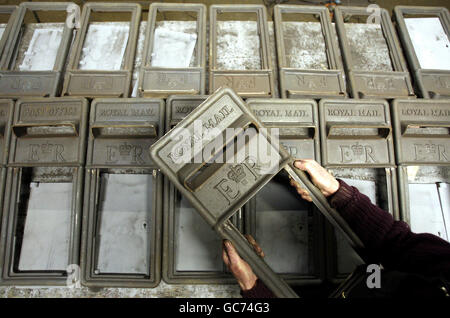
390	242
387	241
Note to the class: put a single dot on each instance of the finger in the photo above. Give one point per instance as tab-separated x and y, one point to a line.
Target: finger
233	256
255	245
308	165
225	258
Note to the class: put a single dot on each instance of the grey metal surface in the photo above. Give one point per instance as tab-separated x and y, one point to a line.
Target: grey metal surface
16	83
121	240
277	211
6	28
370	83
304	44
218	191
192	251
164	81
100	82
43	152
357	146
421	129
252	80
430	83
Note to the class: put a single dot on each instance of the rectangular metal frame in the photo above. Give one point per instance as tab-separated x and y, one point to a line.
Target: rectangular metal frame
304	83
16	84
39	151
430	83
380	84
178	107
6	116
357	151
163	81
421	149
287	115
102	83
214	202
12	23
247	83
121	113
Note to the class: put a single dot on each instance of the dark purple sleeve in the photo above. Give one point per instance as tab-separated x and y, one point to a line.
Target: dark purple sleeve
258	291
391	242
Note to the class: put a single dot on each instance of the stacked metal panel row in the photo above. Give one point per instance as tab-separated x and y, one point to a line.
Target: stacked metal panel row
316	57
50	135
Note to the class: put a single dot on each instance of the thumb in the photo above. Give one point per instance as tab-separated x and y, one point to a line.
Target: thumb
233	256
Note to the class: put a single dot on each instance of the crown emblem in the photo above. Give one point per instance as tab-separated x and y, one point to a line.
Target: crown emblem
236	173
125	149
430	149
358	150
46	148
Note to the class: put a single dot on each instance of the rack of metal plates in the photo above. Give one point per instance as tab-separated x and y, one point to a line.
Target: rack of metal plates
6	113
174	54
373	59
357	147
309	59
7	19
240	60
36	50
422	145
102	57
192	251
121	241
425	32
287	228
44	191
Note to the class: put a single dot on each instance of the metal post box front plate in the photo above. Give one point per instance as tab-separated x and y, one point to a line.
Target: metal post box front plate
118	164
247	82
357	146
102	83
297	82
375	83
277	210
431	83
217	190
182	263
6	113
5	30
42	210
49	132
161	81
17	83
421	129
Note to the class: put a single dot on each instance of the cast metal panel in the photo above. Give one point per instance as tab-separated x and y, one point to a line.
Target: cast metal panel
422	144
374	83
357	146
309	83
246	82
118	164
100	82
47	150
158	81
421	129
430	83
192	251
277	210
11	24
16	83
6	115
218	190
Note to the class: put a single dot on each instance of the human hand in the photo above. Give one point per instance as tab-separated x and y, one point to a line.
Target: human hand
238	267
321	178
